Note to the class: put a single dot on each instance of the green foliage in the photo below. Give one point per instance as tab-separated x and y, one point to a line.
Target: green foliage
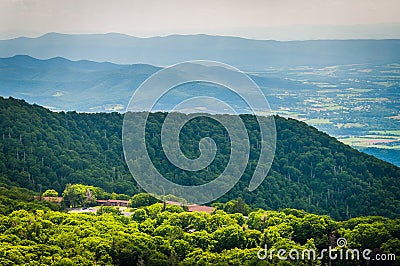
311	171
392	246
174	208
116	196
81	195
169	232
252	238
234	206
182	248
14	198
108	209
142	199
139	215
228	238
50	193
154	236
41	149
367	235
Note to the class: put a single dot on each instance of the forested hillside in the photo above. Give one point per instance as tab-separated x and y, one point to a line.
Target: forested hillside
168	235
153	236
40	149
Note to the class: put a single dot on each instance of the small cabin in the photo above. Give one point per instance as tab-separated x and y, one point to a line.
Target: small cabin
110	202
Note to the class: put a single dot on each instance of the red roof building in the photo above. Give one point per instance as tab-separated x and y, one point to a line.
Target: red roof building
110	202
199	208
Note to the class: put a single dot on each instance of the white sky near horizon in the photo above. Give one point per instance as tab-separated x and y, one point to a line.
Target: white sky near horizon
279	19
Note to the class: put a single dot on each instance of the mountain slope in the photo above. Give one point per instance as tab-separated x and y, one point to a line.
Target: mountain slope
62	84
311	170
87	86
119	48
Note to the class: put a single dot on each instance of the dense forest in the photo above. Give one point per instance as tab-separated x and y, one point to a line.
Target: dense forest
36	233
311	171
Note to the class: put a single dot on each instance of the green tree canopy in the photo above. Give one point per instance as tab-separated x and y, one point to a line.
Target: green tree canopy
50	193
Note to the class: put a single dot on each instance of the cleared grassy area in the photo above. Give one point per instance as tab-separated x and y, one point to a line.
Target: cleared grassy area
396	117
381	137
386	132
359	90
333	107
380	142
287	113
348	95
379	99
349	125
318	121
329	91
115	107
384	83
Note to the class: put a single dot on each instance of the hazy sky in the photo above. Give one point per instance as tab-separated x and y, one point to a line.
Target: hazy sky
266	19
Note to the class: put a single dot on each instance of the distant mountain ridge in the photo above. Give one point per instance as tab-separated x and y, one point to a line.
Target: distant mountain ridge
61	84
86	86
240	52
